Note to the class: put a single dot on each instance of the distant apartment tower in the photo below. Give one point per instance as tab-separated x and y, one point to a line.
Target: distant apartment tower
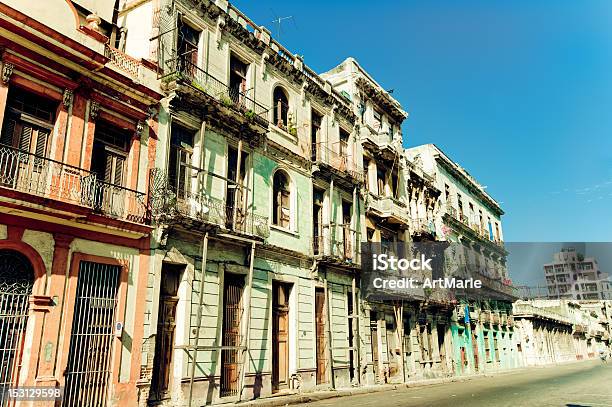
572	276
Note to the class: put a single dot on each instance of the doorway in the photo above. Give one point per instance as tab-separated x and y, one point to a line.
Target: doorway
321	343
232	315
166	328
280	335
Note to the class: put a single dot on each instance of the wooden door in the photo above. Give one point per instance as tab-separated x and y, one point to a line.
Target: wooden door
232	314
475	348
374	341
280	336
320	333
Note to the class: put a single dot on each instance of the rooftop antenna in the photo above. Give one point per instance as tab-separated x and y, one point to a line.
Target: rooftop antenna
278	21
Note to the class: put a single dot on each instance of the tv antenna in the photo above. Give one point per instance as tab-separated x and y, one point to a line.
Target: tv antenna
278	22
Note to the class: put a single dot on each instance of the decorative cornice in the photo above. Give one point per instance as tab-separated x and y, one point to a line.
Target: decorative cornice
7	71
382	99
94	110
67	98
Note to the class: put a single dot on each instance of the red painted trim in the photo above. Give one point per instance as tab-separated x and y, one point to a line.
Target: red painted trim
81	212
93	34
118	106
117	121
42	226
28	53
39	72
68	309
23	82
15	233
37	262
48	33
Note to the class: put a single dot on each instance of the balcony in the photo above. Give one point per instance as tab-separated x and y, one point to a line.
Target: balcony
196	210
122	61
40	176
343	247
474	229
339	163
389	208
185	71
423	226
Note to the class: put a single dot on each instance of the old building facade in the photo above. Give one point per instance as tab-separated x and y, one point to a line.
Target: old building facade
78	133
470	221
172	170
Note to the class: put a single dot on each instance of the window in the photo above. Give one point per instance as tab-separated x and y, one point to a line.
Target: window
28	122
347	216
238	79
395	190
281	107
377	120
380	177
391	131
281	214
498	236
447	193
315	134
317	221
344	140
366	168
110	153
236	191
181	149
187	47
460	205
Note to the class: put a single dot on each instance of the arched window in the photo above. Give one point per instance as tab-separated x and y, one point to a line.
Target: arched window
281	200
16	282
281	107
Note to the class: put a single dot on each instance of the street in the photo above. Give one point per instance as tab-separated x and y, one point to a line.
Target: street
572	385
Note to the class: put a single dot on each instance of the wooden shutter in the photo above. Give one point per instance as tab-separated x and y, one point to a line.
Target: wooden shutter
8	131
114	169
42	139
25	139
285	214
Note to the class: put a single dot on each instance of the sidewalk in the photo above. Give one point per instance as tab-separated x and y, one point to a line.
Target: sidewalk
306	397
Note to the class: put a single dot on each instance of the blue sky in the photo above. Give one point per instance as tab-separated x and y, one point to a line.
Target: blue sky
519	93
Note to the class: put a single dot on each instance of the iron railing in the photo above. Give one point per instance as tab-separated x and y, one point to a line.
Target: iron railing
184	68
342	246
169	203
341	162
41	176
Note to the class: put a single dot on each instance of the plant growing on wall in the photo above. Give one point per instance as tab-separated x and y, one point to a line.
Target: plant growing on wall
249	114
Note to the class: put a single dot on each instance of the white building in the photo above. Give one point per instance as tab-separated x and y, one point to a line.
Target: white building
572	276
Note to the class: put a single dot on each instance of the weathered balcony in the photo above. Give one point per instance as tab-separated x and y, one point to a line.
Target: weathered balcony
183	69
122	61
340	163
43	177
196	208
390	208
343	247
422	226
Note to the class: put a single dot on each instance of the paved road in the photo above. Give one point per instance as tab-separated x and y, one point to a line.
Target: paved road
582	384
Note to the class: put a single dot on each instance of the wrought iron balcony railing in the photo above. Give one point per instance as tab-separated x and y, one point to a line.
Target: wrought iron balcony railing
37	175
344	246
172	204
185	69
342	162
